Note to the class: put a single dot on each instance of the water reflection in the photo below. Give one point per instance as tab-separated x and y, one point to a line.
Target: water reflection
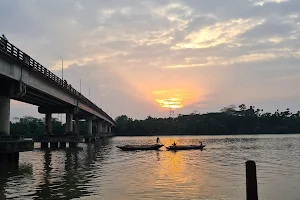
101	171
11	171
54	174
68	179
157	155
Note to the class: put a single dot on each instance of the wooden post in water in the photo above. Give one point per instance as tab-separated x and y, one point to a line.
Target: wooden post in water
251	180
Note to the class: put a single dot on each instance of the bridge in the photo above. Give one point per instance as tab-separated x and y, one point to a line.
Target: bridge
24	79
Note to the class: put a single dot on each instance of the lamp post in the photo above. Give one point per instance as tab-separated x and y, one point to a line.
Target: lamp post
62	69
80	86
62	78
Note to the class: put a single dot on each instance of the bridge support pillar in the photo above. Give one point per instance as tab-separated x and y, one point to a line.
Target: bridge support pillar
76	126
44	145
89	126
99	126
5	115
48	123
73	144
105	128
62	145
54	145
10	158
69	124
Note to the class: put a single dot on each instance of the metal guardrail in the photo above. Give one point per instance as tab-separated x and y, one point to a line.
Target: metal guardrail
15	53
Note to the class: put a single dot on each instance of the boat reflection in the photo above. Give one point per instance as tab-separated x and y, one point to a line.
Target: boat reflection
157	155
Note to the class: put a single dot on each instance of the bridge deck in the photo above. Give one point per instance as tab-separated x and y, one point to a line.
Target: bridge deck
24	61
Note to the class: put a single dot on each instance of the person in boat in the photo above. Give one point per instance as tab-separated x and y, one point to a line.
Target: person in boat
201	143
157	140
174	144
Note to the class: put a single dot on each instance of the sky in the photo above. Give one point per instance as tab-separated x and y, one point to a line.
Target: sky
142	57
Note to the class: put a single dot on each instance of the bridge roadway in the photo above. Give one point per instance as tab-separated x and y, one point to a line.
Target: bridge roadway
24	79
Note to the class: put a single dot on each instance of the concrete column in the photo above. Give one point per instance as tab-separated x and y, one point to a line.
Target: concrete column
109	129
11	158
62	145
69	124
44	145
77	126
48	123
105	128
54	145
4	115
99	126
89	126
73	144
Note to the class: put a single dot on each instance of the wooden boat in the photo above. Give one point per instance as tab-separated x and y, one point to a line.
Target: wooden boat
185	147
140	147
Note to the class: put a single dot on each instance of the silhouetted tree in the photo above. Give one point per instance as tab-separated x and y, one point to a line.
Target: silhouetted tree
227	121
33	127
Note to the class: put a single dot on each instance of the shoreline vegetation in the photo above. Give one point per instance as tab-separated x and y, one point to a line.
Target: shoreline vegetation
231	120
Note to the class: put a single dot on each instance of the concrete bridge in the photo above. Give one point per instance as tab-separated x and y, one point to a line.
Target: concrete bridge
24	79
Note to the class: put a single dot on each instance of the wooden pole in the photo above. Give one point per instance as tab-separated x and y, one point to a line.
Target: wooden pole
251	180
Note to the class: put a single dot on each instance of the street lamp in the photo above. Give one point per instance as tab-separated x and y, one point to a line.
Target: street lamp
80	86
62	68
90	94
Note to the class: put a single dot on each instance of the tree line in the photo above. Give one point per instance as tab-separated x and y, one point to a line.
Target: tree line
230	120
28	126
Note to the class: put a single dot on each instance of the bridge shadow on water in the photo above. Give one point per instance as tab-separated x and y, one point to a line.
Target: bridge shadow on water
62	174
75	176
8	171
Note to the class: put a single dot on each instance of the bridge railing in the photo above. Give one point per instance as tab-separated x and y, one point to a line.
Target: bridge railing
15	53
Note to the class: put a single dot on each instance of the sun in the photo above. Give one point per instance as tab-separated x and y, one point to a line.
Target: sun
173	98
170	103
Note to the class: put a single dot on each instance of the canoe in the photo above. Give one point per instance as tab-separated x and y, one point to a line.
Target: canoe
185	147
140	147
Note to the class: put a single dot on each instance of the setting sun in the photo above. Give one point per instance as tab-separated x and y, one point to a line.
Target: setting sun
174	98
170	103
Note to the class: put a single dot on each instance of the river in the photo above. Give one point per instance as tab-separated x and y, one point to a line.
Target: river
101	171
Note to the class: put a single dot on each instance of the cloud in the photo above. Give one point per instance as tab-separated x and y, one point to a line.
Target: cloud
219	33
222	52
250	58
261	3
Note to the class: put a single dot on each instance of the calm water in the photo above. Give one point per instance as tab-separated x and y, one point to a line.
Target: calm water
101	171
